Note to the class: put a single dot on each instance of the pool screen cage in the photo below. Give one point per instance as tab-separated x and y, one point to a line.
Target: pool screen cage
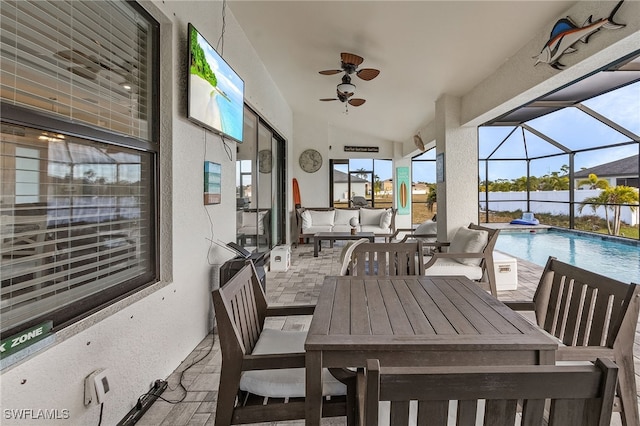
571	156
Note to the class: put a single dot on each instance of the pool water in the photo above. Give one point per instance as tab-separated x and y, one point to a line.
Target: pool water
618	260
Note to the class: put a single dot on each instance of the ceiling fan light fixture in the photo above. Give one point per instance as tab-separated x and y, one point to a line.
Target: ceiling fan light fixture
346	88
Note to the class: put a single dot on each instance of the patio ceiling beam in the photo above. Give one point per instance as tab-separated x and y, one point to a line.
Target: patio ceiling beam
606	121
546	138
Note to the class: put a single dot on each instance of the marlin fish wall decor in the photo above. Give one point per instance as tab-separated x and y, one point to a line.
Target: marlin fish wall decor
566	33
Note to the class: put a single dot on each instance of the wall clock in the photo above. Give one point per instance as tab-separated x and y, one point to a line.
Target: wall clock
310	160
265	161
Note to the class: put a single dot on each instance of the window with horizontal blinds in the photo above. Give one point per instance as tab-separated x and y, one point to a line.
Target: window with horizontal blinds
82	60
77	221
78	158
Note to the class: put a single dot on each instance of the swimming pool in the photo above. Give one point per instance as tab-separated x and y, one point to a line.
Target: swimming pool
619	260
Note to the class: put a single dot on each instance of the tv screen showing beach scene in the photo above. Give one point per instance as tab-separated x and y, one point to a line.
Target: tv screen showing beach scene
216	92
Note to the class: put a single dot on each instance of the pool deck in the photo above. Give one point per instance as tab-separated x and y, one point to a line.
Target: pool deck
299	285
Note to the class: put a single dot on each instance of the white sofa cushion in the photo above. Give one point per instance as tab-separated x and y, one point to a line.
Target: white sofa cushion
285	382
469	241
320	218
375	229
343	216
315	229
343	228
249	223
453	267
428	227
371	216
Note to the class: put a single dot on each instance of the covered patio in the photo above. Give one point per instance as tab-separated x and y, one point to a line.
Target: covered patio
299	285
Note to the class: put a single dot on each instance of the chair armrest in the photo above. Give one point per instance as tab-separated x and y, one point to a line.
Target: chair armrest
583	353
399	230
520	305
283	311
440	255
437	244
413	236
273	361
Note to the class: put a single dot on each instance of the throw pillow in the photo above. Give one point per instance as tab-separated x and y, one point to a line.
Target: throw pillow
306	219
469	241
385	219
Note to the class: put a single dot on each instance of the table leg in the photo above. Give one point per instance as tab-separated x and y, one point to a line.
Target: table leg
547	357
316	246
313	396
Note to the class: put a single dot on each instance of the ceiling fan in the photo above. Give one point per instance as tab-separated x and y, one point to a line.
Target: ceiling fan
346	89
349	64
344	97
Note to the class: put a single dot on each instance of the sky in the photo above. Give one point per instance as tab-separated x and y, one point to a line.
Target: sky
569	127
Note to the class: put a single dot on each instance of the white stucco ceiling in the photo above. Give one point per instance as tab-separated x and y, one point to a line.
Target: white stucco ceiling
424	49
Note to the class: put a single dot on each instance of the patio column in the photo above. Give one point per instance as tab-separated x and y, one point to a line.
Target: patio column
457	168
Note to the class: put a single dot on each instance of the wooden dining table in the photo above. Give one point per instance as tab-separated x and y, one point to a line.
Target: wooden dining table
414	321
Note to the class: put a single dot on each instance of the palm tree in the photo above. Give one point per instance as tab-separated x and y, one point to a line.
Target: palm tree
361	173
612	199
432	196
377	185
594	182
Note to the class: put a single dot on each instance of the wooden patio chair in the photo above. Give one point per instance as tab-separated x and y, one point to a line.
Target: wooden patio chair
470	253
594	317
345	255
576	395
262	378
384	259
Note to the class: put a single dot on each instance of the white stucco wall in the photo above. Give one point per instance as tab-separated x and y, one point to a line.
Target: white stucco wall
329	141
147	336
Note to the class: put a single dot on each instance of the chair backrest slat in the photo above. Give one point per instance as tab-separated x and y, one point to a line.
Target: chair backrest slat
577	395
237	305
387	259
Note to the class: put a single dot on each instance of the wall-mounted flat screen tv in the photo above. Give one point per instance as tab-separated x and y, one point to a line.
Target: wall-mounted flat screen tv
216	92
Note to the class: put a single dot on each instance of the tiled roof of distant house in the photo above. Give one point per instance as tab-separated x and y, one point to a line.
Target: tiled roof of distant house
341	177
624	167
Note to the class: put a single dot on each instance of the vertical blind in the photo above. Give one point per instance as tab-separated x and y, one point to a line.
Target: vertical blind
77	213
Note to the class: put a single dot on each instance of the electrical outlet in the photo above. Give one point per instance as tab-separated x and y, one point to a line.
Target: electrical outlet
96	386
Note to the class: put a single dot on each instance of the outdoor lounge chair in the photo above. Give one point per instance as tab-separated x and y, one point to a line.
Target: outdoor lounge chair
577	396
359	201
262	378
594	317
470	253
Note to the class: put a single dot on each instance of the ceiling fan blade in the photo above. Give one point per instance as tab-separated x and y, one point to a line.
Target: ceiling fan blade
356	102
367	73
350	58
330	72
329	99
